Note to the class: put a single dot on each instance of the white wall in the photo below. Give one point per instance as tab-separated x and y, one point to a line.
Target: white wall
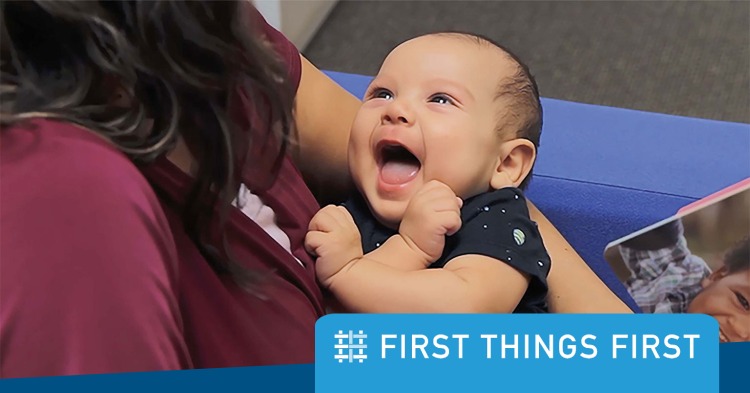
297	19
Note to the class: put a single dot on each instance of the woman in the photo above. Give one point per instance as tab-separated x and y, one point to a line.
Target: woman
132	136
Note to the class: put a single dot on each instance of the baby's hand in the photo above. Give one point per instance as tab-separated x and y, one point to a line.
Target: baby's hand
334	238
433	212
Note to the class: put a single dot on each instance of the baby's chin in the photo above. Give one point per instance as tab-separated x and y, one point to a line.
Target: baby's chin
389	216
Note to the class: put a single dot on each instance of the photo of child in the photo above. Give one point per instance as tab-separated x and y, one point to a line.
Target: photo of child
697	262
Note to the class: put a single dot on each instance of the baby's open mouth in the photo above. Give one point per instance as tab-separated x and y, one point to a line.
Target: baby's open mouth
397	164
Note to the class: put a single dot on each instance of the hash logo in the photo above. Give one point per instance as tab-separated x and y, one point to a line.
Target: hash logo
351	346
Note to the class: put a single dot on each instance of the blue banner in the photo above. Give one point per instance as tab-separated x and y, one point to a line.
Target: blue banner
602	373
456	353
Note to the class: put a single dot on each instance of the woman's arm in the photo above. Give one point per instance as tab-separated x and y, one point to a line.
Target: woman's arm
573	286
324	112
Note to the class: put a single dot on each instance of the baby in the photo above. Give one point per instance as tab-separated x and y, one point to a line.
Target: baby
444	142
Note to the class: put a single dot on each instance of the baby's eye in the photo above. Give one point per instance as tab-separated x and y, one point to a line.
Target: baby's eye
381	93
442	99
745	304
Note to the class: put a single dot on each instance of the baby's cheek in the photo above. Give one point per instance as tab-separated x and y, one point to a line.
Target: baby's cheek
459	176
710	301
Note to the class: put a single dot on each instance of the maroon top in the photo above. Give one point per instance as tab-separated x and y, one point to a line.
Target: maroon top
98	276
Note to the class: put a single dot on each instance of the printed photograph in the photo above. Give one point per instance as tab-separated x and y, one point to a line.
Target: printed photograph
695	262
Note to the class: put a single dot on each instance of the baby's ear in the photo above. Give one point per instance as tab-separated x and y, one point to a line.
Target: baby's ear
515	160
716	275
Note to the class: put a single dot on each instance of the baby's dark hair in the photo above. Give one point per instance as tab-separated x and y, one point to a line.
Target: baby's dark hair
522	115
737	258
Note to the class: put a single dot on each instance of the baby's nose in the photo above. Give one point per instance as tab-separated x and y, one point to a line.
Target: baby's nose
398	113
396	119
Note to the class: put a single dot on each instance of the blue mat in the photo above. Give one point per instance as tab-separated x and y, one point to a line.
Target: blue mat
605	172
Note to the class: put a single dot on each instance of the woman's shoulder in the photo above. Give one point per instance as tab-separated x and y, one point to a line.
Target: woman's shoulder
47	138
285	49
63	169
72	201
83	235
61	154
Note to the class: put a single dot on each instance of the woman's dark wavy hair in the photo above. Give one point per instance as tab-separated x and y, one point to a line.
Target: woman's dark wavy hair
178	64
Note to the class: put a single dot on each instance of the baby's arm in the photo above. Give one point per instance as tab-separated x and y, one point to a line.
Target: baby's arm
469	283
433	213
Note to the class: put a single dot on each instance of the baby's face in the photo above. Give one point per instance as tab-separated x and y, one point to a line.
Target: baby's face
429	114
728	300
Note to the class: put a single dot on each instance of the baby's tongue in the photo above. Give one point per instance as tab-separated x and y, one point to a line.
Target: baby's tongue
398	172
